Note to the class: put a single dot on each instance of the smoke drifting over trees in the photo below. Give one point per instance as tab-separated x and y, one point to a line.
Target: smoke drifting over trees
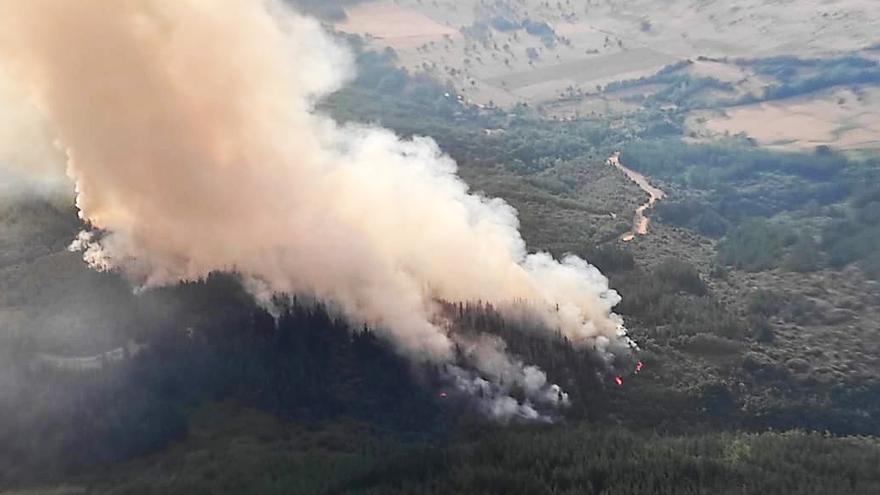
190	133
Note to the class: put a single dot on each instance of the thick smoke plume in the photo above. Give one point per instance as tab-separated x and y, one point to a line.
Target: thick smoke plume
189	130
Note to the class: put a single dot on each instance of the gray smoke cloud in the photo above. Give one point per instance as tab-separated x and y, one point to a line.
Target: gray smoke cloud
188	128
494	374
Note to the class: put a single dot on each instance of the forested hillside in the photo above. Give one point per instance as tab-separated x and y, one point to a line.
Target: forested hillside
753	298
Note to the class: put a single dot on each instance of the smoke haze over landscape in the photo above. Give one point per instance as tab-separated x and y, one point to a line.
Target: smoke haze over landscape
458	247
190	133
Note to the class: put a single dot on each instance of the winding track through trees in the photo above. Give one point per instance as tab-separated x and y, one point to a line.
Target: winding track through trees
640	221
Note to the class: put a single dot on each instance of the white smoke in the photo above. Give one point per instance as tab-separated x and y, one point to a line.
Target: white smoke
492	398
189	131
495	374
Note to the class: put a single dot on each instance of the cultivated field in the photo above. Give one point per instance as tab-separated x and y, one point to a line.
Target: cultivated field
843	118
399	27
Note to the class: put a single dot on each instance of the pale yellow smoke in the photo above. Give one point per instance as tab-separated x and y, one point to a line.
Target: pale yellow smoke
30	163
189	131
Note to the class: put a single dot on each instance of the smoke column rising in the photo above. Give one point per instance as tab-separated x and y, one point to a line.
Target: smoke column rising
190	133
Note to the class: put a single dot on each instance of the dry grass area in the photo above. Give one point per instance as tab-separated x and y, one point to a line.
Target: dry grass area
503	67
599	41
843	118
585	70
399	27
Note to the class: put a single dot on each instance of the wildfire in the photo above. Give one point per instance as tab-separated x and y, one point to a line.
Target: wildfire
619	379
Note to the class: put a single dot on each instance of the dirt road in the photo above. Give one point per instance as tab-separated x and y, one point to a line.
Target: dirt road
640	221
